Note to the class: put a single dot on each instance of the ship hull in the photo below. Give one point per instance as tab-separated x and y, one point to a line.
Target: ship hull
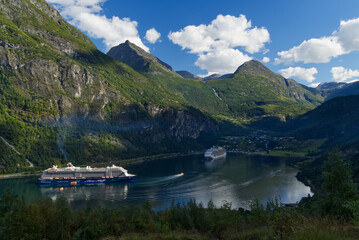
84	181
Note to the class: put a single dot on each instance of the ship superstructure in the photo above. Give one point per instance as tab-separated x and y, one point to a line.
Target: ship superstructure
215	152
72	175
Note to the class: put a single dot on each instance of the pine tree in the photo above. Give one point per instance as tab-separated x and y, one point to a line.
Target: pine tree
338	186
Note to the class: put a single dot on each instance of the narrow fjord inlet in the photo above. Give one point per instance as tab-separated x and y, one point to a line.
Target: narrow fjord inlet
179	120
238	179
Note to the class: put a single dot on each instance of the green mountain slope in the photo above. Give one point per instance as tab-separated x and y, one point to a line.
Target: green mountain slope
256	92
59	95
335	120
252	92
195	92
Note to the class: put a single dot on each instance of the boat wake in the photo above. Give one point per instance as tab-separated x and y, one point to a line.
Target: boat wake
157	181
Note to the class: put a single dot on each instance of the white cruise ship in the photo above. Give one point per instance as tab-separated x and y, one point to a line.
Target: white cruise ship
72	175
215	152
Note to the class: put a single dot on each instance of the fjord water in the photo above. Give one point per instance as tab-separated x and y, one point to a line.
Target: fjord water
237	179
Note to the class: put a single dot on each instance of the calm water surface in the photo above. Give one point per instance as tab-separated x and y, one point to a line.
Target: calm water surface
237	179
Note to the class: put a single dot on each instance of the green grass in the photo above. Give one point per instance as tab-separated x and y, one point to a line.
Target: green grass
251	96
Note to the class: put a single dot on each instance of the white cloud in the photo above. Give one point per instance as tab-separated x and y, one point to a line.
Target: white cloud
321	50
222	62
315	50
224	30
314	85
352	81
348	35
215	43
266	59
301	73
340	74
88	17
152	35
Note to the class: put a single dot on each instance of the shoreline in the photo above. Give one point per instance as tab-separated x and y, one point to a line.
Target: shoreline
18	175
124	162
268	155
131	161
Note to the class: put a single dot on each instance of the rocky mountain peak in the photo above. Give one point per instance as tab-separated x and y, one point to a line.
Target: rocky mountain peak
253	67
137	58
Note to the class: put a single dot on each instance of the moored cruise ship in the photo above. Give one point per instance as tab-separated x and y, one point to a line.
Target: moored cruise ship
215	152
72	175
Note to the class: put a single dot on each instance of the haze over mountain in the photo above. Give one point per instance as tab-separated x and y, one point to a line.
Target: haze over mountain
330	85
345	90
186	74
330	90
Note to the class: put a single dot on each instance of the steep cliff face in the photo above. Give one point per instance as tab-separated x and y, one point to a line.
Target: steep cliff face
182	124
45	56
56	87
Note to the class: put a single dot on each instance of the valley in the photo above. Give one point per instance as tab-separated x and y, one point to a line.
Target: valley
64	100
291	165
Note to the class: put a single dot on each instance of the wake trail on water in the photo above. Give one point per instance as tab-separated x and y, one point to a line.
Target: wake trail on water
157	181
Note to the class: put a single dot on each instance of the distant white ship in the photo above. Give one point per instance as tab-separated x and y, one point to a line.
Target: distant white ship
215	152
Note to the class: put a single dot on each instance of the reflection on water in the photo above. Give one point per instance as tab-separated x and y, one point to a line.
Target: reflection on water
237	179
87	193
212	164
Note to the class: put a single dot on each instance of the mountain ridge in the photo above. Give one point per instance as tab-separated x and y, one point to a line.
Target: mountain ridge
186	74
267	82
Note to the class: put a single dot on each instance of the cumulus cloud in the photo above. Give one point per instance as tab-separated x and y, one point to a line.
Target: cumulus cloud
315	50
216	43
305	74
322	50
87	16
152	35
348	35
340	74
266	59
224	61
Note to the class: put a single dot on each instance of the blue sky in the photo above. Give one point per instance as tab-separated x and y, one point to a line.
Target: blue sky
309	41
